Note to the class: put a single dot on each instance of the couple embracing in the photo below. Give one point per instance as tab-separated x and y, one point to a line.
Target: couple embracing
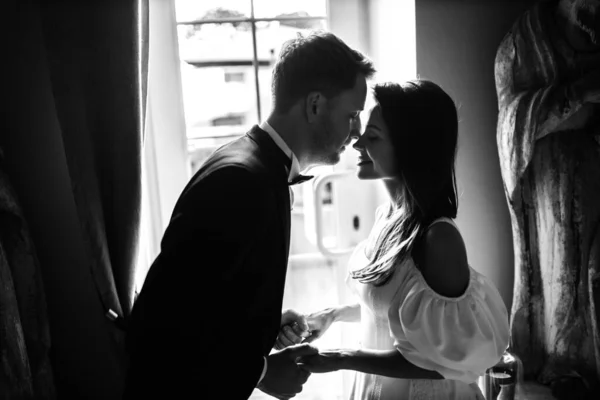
208	322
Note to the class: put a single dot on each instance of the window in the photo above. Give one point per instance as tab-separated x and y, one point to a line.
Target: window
227	50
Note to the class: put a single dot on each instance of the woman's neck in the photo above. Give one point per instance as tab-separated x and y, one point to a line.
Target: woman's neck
394	190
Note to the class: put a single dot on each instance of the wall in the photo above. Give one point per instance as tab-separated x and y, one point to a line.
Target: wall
456	47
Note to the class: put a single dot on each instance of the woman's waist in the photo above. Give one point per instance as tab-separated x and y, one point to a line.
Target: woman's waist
375	333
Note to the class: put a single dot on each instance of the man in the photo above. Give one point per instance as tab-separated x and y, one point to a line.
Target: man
548	85
210	308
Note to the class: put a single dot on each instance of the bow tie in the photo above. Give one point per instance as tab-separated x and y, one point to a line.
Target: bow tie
300	179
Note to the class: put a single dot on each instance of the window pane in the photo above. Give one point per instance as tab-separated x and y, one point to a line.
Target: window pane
188	10
290	8
270	36
218	84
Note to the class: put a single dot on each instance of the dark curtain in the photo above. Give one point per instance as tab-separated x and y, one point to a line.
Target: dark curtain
26	372
77	84
97	58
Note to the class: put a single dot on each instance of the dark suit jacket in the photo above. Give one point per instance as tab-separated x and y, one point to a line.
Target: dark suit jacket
210	307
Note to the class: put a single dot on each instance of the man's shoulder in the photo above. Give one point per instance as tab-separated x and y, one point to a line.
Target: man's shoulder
242	151
239	154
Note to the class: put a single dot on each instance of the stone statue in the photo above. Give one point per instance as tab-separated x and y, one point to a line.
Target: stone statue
547	73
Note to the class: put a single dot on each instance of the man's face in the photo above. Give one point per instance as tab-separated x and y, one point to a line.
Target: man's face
334	128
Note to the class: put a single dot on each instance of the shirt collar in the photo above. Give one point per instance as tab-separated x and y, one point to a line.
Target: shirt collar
295	168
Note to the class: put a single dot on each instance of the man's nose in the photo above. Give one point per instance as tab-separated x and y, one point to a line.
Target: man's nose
355	129
358	144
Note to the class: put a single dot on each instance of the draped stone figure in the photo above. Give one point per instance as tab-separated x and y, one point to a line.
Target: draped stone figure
547	72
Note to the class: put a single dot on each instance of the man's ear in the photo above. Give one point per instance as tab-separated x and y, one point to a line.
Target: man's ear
314	106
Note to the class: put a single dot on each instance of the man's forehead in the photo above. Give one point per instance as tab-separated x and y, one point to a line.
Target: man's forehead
359	94
352	99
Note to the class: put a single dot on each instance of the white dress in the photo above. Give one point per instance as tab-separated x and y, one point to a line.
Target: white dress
457	337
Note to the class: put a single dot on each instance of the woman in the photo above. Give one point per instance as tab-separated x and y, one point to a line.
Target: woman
430	324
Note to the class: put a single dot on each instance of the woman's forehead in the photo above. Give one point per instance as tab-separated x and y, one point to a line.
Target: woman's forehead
374	112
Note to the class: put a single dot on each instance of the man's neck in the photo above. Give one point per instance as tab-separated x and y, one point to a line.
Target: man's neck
288	129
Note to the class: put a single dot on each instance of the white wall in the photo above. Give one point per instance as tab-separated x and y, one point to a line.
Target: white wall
456	46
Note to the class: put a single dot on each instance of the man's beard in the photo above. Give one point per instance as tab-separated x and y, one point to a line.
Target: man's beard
323	143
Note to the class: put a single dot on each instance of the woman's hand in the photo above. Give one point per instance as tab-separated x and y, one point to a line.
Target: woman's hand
324	361
319	322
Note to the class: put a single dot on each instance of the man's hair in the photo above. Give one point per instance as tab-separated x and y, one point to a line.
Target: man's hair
319	62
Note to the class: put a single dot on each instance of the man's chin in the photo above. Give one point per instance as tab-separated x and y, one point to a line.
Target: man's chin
332	159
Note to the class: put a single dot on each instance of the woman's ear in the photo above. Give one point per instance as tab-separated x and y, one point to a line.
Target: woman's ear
315	103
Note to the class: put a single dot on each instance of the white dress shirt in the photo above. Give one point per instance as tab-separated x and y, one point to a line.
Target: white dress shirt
295	169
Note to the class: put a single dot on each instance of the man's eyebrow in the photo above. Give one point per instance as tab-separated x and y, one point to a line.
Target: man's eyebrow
374	127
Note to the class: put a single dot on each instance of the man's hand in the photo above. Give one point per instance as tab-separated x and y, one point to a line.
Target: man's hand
298	328
284	379
293	329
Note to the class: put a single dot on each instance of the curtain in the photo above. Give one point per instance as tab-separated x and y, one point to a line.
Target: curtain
77	85
97	57
26	372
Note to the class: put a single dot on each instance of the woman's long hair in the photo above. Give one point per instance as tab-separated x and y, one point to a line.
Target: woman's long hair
422	123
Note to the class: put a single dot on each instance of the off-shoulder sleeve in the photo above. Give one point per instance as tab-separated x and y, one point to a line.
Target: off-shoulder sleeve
457	337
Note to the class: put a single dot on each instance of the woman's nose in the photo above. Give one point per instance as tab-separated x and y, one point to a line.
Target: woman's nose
358	145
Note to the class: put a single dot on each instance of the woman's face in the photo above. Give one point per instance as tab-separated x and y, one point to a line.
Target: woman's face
376	154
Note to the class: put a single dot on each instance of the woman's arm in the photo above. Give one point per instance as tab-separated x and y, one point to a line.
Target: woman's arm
384	362
343	313
297	327
320	321
389	363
